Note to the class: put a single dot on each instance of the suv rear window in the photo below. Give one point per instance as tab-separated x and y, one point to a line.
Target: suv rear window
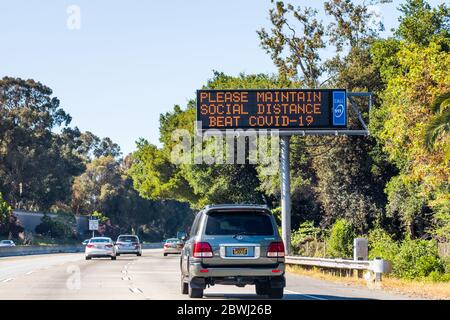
99	240
241	222
127	239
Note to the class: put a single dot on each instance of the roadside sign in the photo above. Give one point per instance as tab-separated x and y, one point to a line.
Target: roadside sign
291	109
93	224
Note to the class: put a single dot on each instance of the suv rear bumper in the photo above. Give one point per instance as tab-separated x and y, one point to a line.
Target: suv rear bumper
199	270
240	281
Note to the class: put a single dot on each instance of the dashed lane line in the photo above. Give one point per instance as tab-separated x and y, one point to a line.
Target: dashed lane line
305	295
136	290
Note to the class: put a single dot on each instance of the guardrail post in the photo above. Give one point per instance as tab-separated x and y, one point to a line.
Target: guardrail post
378	276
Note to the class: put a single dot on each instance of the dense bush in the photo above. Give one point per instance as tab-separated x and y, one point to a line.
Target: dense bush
410	258
5	211
418	259
304	240
9	225
340	242
381	245
60	227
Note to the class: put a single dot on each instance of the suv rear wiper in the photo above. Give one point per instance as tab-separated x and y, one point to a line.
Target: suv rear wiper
244	233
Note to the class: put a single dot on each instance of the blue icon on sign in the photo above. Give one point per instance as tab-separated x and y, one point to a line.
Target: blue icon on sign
339	108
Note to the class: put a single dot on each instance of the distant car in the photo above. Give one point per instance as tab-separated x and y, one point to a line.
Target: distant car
7	243
85	242
128	244
173	245
100	247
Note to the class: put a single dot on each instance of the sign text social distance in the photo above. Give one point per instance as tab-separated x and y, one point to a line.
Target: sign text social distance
272	109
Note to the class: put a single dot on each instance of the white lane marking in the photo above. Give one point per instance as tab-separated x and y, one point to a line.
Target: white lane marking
306	295
30	272
8	280
126	278
136	290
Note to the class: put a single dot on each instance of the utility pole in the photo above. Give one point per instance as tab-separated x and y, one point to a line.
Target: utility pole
285	194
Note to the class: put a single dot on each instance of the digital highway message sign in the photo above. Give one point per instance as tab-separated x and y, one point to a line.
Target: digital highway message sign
272	109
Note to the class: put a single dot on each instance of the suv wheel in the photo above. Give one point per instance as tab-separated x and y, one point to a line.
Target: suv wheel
276	293
184	286
195	293
262	289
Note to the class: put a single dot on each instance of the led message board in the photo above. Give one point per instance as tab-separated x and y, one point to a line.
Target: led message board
291	109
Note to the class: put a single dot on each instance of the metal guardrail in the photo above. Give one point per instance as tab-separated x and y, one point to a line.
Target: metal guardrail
31	250
377	266
48	249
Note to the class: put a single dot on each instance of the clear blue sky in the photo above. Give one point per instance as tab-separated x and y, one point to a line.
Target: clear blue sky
132	60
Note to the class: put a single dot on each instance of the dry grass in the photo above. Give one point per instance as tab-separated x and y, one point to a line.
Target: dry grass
419	289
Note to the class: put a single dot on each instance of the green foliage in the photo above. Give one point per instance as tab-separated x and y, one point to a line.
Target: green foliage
305	239
306	232
340	242
5	211
411	259
39	153
417	259
438	127
59	227
101	218
422	24
381	245
410	126
441	227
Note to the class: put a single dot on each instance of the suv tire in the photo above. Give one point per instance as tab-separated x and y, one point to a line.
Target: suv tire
262	289
195	292
276	293
184	286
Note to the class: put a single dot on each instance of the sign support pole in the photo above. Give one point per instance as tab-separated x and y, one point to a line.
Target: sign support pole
285	194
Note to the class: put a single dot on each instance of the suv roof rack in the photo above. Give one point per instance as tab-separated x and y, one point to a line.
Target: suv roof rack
234	205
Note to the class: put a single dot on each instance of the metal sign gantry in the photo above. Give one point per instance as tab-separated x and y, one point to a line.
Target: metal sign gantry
285	161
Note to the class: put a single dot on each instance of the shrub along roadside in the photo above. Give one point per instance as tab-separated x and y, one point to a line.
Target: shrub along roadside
411	259
340	242
60	227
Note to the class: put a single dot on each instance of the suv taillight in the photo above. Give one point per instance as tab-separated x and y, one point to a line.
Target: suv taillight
276	250
202	250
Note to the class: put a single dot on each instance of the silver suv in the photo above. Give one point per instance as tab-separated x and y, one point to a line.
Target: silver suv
233	245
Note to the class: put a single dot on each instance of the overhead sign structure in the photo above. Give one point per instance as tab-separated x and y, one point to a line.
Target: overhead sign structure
291	109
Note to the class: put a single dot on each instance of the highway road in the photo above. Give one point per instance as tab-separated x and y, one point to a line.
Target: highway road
152	276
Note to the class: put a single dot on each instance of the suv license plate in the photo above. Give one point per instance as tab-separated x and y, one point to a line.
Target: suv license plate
240	251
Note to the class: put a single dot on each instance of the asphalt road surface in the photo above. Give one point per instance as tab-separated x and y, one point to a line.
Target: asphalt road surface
152	276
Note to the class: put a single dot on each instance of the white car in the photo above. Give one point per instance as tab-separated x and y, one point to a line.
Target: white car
7	243
128	244
99	247
172	245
